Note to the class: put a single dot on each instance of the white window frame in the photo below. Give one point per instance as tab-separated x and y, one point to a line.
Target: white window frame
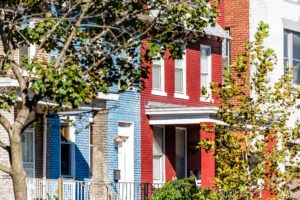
182	63
185	148
226	45
208	97
161	91
163	180
290	51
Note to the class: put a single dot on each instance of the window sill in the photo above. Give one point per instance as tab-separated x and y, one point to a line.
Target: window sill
159	93
207	99
181	96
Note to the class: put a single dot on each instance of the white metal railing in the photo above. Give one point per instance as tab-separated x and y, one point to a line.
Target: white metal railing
39	188
131	190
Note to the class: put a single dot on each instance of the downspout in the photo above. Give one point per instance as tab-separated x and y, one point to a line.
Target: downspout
44	155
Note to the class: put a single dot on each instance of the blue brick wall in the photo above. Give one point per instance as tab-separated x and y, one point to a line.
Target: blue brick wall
82	146
54	143
127	108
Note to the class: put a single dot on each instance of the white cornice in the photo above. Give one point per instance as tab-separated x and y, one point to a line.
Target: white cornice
181	110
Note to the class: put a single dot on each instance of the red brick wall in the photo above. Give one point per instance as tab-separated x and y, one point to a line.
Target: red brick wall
207	157
193	91
236	15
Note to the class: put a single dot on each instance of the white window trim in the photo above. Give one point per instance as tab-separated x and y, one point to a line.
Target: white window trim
207	98
163	157
160	92
185	146
177	94
290	34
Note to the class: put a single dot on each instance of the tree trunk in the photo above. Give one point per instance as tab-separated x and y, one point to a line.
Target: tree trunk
18	174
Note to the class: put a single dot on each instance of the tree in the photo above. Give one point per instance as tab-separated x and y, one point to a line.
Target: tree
256	143
86	38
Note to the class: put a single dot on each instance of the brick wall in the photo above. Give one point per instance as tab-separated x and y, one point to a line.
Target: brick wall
207	157
126	109
193	91
100	157
82	146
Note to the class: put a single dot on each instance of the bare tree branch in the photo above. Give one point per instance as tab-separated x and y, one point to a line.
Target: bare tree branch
5	169
72	34
51	31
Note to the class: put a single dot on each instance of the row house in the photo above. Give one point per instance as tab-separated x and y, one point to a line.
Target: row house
283	18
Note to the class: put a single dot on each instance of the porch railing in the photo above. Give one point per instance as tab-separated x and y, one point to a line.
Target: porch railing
39	188
131	190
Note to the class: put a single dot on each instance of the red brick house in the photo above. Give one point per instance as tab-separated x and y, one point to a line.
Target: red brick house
172	109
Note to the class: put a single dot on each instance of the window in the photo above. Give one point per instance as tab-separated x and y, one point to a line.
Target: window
158	154
225	54
180	77
292	53
27	140
66	150
158	77
205	66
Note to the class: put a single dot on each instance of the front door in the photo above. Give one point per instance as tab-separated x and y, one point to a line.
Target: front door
126	160
180	149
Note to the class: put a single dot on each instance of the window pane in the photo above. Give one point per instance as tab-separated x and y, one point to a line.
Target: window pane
296	77
65	159
27	146
286	44
179	80
204	60
296	46
204	81
157	141
157	168
285	62
156	76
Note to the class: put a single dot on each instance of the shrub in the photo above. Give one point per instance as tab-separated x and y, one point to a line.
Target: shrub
184	189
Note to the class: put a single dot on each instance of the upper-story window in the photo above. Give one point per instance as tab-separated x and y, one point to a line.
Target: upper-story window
292	53
225	54
205	69
158	74
180	77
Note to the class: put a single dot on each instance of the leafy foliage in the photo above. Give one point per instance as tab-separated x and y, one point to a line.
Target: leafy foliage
254	146
185	189
87	39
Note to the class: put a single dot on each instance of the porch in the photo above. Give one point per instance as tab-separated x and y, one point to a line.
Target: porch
175	131
68	189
